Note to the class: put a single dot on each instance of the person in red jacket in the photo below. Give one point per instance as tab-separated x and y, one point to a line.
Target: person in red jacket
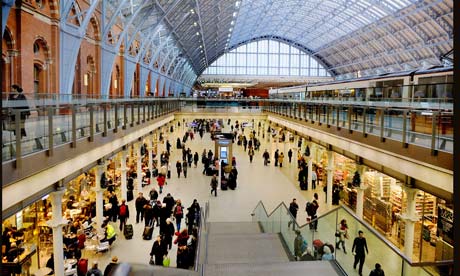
161	179
182	237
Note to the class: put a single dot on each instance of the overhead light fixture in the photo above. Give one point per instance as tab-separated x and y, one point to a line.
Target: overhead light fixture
233	22
237	3
195	24
231	29
201	46
192	11
197	33
228	35
234	14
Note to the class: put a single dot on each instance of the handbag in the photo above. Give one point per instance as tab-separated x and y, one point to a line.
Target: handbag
151	262
337	234
166	262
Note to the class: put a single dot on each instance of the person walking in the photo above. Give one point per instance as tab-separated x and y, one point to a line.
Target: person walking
281	159
196	157
298	245
94	271
184	168
167	230
161	179
378	271
179	167
214	183
111	267
158	251
123	214
266	157
359	245
251	154
312	210
342	235
293	208
178	213
290	155
140	202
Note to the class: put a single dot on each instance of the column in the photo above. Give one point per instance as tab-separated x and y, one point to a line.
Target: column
123	170
309	169
139	166
330	176
410	217
286	143
100	168
360	193
56	223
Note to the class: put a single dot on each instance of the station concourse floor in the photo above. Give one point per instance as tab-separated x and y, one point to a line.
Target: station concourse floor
255	182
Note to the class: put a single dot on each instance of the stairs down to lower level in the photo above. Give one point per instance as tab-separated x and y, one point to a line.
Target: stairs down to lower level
240	248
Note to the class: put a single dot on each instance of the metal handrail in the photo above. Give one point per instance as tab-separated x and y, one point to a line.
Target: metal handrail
366	225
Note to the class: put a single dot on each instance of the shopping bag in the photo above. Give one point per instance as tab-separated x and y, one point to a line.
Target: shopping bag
166	261
151	262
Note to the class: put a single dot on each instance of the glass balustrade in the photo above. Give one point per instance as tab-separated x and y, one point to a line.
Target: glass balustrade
382	251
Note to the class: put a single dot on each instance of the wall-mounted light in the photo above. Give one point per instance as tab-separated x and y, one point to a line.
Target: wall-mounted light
146	87
85	79
115	83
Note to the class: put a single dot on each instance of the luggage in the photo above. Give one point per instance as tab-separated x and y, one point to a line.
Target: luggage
223	184
129	195
169	174
148	231
82	267
155	172
128	231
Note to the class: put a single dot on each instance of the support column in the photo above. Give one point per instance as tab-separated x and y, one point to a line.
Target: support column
139	166
360	193
286	143
123	170
409	217
309	169
56	223
330	176
100	168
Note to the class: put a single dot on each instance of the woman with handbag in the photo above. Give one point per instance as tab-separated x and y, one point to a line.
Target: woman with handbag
342	234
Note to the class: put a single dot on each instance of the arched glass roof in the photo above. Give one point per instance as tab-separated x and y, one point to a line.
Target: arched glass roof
267	58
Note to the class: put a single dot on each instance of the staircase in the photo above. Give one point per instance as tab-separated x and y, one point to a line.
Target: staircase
240	248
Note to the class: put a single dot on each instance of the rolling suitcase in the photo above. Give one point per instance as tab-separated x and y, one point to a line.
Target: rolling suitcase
223	184
128	231
169	174
130	195
148	231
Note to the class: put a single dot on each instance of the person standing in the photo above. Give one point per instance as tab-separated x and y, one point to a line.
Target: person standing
251	154
293	208
167	230
178	213
313	178
123	214
140	202
378	271
343	234
298	244
94	271
196	157
359	245
281	159
161	179
276	157
290	155
22	106
179	167
313	212
214	183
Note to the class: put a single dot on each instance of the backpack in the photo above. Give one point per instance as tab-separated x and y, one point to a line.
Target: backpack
309	208
123	210
178	210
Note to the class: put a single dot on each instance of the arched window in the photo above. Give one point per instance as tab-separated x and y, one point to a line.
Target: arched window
267	57
38	71
36	48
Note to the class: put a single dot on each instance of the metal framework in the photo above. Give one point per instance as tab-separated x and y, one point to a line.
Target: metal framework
347	37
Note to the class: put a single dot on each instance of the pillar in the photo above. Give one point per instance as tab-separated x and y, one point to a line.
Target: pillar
56	223
410	217
309	169
360	193
123	170
100	168
330	176
139	166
